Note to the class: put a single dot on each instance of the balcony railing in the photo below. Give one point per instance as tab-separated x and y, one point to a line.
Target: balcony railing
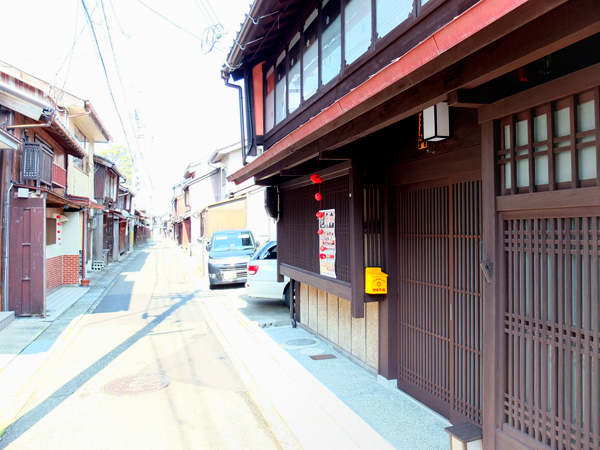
59	176
37	163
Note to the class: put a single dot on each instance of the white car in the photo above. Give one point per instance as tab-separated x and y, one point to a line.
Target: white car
262	275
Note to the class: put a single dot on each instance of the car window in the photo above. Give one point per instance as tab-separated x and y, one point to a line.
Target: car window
235	240
270	253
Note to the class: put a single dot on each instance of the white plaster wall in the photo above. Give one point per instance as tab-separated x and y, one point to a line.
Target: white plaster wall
262	226
70	234
78	183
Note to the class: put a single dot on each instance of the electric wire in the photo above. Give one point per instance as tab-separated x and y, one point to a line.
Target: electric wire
105	72
174	24
123	91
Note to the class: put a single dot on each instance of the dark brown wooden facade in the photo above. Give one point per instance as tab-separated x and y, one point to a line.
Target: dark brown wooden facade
490	238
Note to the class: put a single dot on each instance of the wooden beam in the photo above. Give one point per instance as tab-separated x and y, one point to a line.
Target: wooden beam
579	81
330	285
462	98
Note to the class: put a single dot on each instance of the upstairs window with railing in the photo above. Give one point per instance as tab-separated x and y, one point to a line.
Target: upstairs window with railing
552	146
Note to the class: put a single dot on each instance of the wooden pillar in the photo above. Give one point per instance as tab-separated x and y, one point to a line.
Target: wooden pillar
357	264
388	308
494	353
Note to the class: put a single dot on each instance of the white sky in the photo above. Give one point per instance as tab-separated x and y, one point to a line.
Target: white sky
184	108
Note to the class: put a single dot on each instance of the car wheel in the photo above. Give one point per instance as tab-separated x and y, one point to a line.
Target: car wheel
287	295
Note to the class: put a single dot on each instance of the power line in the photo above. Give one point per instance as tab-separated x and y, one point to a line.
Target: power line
105	72
173	23
122	87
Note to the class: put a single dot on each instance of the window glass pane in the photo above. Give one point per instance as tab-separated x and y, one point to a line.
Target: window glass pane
270	100
310	58
522	164
423	2
280	90
540	133
331	40
587	155
294	75
357	22
562	127
507	172
391	13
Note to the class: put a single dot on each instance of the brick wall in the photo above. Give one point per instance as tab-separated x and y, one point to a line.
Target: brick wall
61	270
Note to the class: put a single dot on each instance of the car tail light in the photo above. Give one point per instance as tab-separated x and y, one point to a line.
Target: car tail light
252	270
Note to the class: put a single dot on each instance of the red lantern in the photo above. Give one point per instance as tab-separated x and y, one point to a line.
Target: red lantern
320	231
320	214
318	197
316	178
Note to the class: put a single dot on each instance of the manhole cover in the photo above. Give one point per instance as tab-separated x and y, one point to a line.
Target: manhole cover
295	344
312	351
137	384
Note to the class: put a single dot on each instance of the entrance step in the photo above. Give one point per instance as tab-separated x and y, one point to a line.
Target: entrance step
6	319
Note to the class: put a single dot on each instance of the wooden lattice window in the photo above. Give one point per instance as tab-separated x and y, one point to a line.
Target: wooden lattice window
552	326
551	147
298	241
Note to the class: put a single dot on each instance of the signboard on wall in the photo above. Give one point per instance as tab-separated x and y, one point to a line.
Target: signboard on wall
327	243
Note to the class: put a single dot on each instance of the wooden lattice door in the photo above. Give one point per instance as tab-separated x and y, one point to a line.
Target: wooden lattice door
440	298
552	323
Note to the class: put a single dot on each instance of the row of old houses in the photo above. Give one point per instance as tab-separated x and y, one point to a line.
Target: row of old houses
204	201
65	210
455	144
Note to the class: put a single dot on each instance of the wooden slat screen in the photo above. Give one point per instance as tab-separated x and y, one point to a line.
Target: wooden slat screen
372	219
552	325
467	299
440	298
424	290
298	241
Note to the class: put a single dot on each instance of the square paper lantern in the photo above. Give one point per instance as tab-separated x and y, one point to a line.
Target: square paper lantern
436	122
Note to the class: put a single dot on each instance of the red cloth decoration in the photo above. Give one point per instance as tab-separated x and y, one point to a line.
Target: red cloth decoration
318	197
322	256
315	178
323	248
320	231
320	214
58	223
58	231
58	216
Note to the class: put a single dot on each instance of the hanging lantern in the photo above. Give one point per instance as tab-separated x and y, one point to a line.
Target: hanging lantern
318	196
315	178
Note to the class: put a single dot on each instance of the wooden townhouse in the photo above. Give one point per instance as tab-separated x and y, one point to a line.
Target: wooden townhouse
46	189
456	142
109	224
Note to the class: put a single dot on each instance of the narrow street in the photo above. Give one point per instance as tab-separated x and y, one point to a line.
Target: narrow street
150	322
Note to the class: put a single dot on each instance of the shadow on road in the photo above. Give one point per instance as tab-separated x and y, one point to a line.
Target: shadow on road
32	417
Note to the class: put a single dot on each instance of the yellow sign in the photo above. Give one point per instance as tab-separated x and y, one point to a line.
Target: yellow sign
421	143
375	281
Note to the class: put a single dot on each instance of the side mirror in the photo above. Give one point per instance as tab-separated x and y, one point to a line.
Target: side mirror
256	244
208	246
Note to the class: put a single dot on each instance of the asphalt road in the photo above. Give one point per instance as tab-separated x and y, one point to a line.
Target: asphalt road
150	322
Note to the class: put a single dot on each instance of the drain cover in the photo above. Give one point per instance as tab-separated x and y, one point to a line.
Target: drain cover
137	384
327	356
295	344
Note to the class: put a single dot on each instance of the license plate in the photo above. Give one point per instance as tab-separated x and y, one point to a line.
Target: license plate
229	275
